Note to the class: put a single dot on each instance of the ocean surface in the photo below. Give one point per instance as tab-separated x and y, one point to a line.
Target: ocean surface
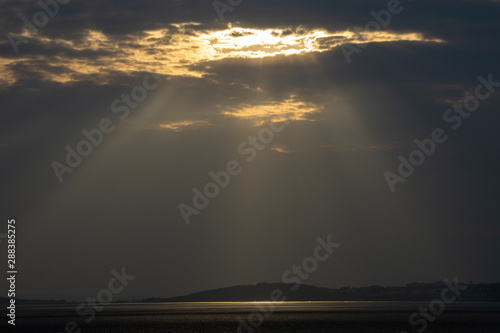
249	317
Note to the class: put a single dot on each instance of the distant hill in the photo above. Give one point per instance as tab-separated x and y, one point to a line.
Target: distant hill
262	292
410	292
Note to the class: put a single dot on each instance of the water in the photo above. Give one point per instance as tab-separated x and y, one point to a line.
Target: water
224	307
250	317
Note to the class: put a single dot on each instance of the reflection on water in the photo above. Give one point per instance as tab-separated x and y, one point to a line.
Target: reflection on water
227	307
281	317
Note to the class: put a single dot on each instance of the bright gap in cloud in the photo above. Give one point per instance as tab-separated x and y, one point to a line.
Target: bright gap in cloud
176	50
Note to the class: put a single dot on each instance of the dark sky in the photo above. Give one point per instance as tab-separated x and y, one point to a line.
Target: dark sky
221	82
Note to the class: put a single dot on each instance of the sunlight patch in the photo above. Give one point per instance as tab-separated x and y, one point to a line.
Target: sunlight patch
281	149
182	125
288	109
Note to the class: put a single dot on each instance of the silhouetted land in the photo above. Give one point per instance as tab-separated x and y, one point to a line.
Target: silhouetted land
410	292
262	292
386	312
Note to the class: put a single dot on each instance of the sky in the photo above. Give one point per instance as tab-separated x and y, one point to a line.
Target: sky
202	144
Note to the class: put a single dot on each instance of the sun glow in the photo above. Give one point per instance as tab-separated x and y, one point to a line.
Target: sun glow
254	43
182	49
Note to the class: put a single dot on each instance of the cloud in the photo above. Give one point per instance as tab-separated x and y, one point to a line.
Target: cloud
175	50
288	109
282	59
281	149
182	125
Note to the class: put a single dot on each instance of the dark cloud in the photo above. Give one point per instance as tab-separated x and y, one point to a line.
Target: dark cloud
322	175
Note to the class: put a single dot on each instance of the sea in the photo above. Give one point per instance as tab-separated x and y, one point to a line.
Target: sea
253	317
